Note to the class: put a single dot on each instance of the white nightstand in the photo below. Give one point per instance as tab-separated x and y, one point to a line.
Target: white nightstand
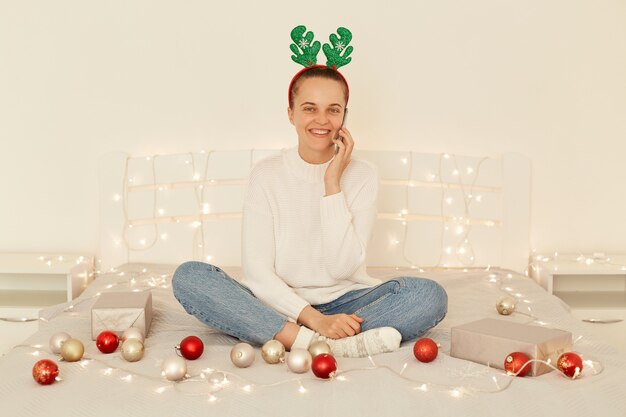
30	282
593	286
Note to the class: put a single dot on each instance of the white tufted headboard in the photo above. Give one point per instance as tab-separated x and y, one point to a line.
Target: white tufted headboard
434	209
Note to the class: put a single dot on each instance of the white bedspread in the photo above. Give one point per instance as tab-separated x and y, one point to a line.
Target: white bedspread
106	385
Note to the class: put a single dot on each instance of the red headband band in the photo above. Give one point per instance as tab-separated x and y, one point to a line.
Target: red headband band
303	70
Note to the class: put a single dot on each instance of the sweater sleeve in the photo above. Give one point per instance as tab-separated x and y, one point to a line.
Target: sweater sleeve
346	230
258	255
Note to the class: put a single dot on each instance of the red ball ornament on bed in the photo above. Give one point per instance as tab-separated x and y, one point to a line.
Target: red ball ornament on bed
570	364
324	366
514	362
425	350
45	371
191	347
107	342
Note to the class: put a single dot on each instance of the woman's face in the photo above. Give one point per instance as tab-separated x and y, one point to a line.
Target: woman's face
317	114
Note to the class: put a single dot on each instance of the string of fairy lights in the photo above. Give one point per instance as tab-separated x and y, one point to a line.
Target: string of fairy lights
461	253
216	380
210	381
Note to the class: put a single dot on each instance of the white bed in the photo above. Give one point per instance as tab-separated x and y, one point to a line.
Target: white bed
173	220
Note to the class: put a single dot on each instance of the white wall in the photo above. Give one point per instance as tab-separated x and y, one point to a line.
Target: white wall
546	78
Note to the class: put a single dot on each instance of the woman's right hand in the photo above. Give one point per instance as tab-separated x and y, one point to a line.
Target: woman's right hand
334	326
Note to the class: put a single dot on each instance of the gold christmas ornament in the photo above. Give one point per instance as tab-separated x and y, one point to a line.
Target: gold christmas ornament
273	352
318	347
242	355
505	305
72	350
132	350
299	360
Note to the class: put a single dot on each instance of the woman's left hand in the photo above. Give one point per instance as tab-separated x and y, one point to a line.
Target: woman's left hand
338	165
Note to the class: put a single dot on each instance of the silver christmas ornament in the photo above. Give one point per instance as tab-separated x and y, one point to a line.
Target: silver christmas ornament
299	360
242	355
57	340
133	333
174	368
273	352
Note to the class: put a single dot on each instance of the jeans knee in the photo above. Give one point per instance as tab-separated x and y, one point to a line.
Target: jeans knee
439	299
184	275
432	291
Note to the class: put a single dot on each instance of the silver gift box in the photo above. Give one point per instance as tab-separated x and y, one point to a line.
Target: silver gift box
117	311
490	341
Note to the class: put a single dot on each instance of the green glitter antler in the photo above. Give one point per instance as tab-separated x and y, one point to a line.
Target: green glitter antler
338	52
304	48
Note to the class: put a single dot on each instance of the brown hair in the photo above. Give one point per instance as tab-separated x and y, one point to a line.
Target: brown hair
318	71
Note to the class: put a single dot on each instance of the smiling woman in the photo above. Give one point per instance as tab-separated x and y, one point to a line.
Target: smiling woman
319	105
307	220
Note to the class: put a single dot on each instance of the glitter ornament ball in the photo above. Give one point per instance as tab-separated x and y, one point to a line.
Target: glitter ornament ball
174	368
57	340
318	347
107	342
324	366
505	305
242	355
425	350
273	352
299	360
132	350
132	333
45	372
514	362
191	347
72	350
570	364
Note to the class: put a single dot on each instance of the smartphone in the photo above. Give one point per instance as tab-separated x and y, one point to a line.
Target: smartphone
343	123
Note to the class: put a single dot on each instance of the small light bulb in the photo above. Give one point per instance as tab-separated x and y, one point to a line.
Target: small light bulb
405	160
470	170
449	200
455	172
117	197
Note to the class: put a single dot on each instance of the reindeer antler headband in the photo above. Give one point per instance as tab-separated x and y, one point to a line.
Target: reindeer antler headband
305	51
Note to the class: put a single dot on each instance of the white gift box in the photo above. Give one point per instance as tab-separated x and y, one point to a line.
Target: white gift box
490	341
117	311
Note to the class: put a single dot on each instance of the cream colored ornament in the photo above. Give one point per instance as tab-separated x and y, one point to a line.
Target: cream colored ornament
242	355
273	352
174	368
72	350
57	340
318	347
132	350
505	305
133	333
299	360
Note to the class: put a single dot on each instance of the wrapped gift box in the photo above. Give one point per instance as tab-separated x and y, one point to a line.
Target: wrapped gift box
490	341
117	311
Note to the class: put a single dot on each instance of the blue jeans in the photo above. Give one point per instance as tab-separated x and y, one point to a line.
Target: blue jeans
410	305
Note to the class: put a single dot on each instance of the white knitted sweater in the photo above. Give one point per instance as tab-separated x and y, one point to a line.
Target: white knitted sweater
302	248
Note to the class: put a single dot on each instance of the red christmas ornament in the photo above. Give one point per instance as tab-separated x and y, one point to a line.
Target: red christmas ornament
107	342
425	350
570	364
514	362
45	371
191	347
324	366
